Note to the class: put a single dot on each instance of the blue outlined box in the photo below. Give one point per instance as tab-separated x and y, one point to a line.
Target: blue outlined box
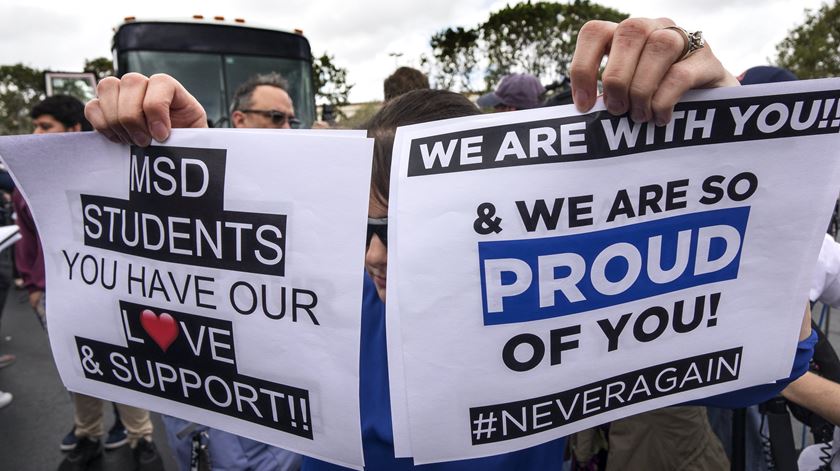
530	279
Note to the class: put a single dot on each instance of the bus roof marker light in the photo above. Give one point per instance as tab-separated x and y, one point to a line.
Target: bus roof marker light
219	18
198	17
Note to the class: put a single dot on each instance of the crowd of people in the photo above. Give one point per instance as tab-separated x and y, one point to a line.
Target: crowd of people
651	63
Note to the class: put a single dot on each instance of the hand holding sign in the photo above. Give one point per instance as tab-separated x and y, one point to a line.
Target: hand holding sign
133	108
156	254
649	270
644	74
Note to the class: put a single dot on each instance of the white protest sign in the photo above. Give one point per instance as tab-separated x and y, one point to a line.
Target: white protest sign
215	278
549	271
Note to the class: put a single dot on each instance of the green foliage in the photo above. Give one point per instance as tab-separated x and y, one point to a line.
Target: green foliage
330	81
101	66
21	87
536	38
812	49
455	52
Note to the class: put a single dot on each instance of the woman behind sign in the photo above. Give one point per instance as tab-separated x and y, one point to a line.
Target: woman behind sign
651	64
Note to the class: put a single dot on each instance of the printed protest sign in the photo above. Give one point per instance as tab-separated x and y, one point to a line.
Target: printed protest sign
550	271
215	278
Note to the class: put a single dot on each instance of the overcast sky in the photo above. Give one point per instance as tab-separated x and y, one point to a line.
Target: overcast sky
362	34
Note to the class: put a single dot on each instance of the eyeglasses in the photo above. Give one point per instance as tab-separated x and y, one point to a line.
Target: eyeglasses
378	226
277	117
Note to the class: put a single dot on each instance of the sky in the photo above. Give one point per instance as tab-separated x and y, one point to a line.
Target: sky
366	36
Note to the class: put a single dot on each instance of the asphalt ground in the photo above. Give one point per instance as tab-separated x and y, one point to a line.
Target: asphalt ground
41	413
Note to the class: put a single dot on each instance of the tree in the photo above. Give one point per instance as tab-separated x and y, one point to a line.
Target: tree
455	53
101	66
330	81
812	49
536	38
21	87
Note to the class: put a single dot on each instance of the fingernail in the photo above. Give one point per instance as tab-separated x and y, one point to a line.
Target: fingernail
581	99
615	106
638	116
159	131
141	139
662	120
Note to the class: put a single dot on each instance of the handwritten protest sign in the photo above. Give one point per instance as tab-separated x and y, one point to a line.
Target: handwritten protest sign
216	278
549	271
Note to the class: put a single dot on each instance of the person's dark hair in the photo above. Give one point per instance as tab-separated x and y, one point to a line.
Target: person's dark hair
418	106
403	80
66	109
242	96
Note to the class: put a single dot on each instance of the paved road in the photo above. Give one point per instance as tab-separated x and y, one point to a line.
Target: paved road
41	413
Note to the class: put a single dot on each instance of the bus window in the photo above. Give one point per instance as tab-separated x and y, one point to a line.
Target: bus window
201	74
212	60
239	68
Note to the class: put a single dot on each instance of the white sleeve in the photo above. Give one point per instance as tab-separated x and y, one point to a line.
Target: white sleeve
825	283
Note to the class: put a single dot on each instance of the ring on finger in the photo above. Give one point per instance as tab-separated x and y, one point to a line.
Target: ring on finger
693	41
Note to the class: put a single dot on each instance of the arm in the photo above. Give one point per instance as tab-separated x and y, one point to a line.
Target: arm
817	394
134	109
758	394
29	256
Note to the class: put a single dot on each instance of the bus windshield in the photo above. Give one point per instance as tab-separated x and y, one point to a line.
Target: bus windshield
213	78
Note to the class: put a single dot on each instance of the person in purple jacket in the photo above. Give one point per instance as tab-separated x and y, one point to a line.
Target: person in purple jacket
651	64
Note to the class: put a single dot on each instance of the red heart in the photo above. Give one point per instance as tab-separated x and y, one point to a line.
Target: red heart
163	330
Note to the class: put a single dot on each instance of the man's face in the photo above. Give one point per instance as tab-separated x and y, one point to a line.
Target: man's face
46	124
265	99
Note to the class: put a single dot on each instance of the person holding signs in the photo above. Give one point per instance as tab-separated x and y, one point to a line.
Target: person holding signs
651	64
